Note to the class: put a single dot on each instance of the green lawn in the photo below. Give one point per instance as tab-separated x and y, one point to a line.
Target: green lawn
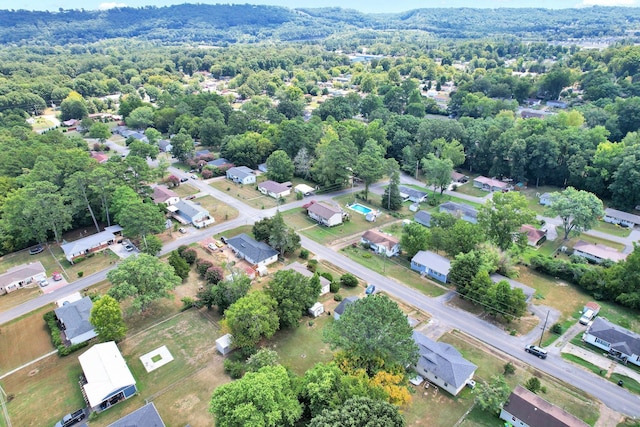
613	229
220	211
184	190
470	190
580	361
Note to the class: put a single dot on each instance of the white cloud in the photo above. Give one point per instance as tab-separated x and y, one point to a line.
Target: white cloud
111	5
608	2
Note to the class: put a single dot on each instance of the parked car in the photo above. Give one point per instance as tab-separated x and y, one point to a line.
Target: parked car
370	290
56	276
194	176
218	243
35	249
129	247
191	197
43	282
536	351
587	317
182	230
212	246
71	419
185	179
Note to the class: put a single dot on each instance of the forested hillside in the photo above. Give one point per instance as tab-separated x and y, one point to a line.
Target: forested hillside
248	23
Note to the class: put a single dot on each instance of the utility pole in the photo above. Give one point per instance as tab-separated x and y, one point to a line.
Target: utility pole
543	328
417	166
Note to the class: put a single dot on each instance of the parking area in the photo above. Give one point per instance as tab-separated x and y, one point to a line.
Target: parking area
124	249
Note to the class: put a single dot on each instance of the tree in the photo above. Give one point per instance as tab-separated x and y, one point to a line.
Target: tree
144	278
250	319
391	197
78	190
182	147
106	318
227	292
437	172
73	107
462	237
262	229
373	329
264	398
578	209
260	359
415	238
625	187
302	163
294	293
282	238
100	131
143	150
153	135
179	264
153	245
334	157
370	164
279	166
360	412
493	395
502	217
464	269
141	219
533	385
140	118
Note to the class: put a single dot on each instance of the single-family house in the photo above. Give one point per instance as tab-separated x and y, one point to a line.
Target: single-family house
411	194
146	416
526	409
442	365
535	237
423	218
325	284
344	304
458	177
381	243
73	319
241	175
90	244
545	199
532	114
201	153
431	264
254	252
274	189
461	211
490	184
614	216
597	253
224	344
325	214
162	194
187	212
528	291
70	122
304	189
220	163
106	378
99	156
619	342
21	276
262	167
557	104
165	146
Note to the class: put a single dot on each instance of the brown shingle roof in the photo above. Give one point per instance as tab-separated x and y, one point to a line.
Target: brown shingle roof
323	211
537	412
380	238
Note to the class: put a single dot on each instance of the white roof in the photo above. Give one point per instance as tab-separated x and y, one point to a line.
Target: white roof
304	188
105	370
69	299
225	340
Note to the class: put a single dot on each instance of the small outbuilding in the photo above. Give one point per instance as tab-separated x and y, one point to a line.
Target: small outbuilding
224	344
316	309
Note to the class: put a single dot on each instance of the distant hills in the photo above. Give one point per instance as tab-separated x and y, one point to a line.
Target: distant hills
222	24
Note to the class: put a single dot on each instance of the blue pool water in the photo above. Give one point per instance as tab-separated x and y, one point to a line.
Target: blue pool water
359	208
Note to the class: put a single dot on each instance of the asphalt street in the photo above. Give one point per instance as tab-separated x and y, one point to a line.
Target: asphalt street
615	397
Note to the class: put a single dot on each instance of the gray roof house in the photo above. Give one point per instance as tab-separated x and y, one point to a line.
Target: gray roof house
524	408
460	210
146	416
165	146
221	162
256	253
431	264
93	243
621	343
20	276
614	216
339	310
274	189
545	199
442	364
241	175
297	267
423	218
324	214
416	196
187	212
74	321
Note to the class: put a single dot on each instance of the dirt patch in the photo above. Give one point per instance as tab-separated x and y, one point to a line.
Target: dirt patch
608	417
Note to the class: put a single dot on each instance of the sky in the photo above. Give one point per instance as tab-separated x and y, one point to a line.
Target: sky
368	6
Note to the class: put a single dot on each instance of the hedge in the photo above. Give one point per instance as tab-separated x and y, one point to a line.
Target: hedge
63	350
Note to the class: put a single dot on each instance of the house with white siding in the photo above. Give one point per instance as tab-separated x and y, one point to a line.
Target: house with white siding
618	342
625	219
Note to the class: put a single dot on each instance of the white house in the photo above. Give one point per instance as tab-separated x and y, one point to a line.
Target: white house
74	321
106	378
94	243
324	282
490	184
381	243
442	364
614	216
224	344
187	212
274	189
461	211
162	194
545	199
324	214
411	194
597	253
254	252
20	276
241	175
526	409
619	342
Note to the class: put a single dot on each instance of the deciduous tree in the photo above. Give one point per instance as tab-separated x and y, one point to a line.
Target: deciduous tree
360	412
370	164
579	210
415	238
251	319
294	294
502	217
493	395
280	168
106	318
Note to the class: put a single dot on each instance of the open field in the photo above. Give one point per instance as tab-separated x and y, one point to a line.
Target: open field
220	211
250	195
184	189
15	350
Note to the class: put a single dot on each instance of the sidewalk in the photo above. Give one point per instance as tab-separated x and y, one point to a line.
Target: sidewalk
611	366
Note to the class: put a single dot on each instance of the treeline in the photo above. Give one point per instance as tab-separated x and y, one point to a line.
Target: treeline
222	23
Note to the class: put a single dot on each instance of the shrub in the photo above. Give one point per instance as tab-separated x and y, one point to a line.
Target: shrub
557	329
214	275
533	384
348	280
202	265
234	368
80	273
79	259
187	303
509	369
337	297
181	248
334	287
189	255
312	265
304	253
327	276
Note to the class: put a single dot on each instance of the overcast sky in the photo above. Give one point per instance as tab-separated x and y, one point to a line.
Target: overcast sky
361	5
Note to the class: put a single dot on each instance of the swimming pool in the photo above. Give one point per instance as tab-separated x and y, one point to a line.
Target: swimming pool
360	208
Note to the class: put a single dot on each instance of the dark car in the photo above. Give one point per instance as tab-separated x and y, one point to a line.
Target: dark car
35	249
224	240
536	351
71	419
184	179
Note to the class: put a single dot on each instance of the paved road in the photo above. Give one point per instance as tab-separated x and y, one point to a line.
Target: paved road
613	396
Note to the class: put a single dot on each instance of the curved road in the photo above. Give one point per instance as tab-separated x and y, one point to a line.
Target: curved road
610	394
